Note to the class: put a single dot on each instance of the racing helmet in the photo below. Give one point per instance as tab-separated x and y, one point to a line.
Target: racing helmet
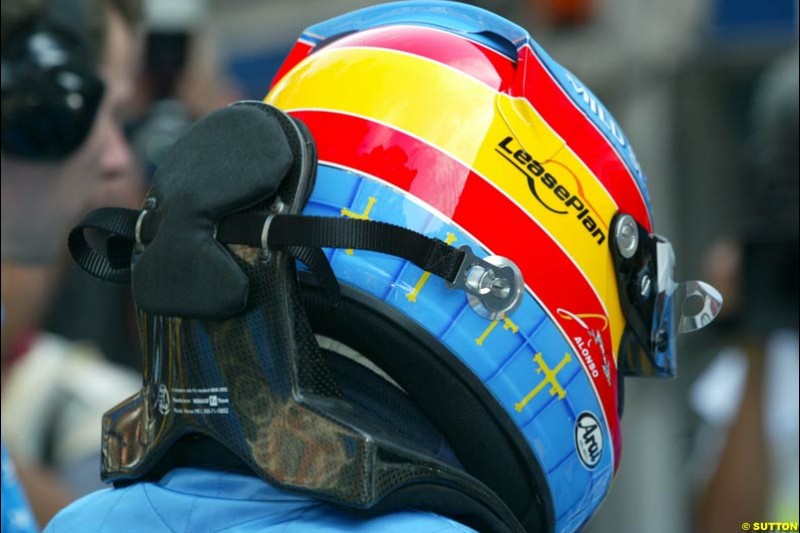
453	121
471	224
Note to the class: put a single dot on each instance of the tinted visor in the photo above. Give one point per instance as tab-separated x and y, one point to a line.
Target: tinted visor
656	307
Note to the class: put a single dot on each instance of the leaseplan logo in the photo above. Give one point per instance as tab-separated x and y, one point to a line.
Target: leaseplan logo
559	198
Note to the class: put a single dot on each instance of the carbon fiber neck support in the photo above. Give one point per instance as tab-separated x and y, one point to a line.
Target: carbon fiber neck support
256	382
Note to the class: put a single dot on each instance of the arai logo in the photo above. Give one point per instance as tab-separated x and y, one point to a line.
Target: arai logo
588	440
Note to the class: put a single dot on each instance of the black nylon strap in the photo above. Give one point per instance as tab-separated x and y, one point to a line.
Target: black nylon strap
121	225
318	264
301	236
429	254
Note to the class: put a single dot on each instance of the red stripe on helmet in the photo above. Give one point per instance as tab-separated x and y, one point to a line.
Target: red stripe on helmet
500	73
474	204
583	137
299	51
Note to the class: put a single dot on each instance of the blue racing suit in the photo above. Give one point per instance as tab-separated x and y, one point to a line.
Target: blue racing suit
16	515
195	501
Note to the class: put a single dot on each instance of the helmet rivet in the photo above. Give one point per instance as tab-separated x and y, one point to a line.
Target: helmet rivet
479	279
645	285
500	288
278	206
626	236
494	284
661	340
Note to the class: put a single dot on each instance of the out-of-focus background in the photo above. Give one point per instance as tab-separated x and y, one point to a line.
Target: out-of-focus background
707	92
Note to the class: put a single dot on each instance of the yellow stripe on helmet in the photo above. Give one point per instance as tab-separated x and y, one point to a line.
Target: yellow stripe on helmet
500	137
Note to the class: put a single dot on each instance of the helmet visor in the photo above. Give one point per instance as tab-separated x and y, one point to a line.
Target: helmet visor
657	308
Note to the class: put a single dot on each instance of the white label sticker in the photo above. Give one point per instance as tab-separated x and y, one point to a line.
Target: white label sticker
200	401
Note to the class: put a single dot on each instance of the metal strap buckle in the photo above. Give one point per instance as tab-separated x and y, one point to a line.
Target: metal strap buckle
493	285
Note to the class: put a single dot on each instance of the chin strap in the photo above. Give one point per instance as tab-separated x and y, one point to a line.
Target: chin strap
498	287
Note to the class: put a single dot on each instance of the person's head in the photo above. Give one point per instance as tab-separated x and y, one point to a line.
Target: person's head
473	365
122	182
61	98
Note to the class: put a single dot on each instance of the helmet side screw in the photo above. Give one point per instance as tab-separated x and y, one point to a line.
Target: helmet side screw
645	285
626	236
500	288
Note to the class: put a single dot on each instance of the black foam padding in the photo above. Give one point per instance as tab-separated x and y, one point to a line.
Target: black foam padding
388	407
452	398
229	161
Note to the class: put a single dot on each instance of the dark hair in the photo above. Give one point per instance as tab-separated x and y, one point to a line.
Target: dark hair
131	11
20	14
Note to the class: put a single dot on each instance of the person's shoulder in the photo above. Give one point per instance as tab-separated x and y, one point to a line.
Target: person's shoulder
200	501
77	510
100	511
416	521
324	519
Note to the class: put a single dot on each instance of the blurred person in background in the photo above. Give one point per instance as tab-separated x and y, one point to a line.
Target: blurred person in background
181	79
63	92
748	449
80	311
178	81
272	402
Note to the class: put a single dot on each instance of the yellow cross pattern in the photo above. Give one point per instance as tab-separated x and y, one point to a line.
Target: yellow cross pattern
412	296
364	215
549	379
508	325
